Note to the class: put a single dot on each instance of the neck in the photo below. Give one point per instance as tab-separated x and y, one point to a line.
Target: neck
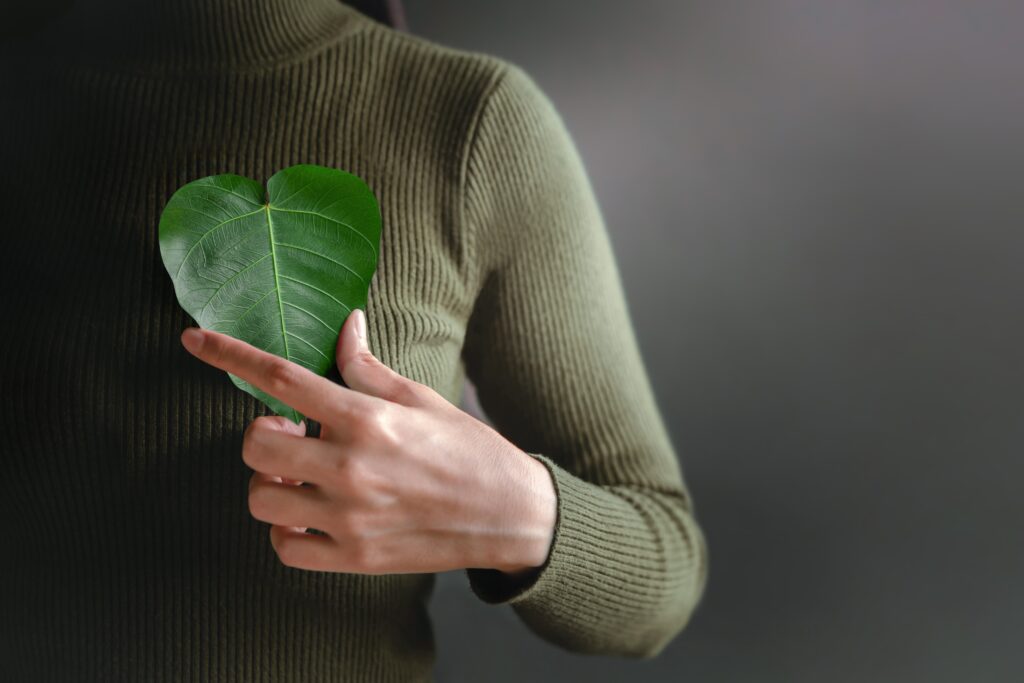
200	33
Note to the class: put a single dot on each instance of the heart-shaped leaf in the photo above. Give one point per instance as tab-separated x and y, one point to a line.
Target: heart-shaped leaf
280	269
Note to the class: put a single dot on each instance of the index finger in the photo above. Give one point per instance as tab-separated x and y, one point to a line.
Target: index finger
299	387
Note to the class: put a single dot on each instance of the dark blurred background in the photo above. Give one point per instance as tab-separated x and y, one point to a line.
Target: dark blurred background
817	210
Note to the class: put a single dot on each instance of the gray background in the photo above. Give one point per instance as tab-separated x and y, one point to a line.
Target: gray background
816	210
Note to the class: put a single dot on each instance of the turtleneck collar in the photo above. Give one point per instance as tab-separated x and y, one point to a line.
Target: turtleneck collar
197	35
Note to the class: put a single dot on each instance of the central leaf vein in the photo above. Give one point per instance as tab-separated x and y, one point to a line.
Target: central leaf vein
277	281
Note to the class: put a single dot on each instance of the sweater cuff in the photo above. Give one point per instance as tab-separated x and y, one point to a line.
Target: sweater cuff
587	543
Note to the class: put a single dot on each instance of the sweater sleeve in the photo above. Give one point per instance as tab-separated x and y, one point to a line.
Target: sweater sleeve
552	353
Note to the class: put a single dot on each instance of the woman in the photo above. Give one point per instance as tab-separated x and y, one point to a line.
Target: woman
138	535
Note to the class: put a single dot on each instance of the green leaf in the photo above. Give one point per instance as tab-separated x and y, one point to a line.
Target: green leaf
280	269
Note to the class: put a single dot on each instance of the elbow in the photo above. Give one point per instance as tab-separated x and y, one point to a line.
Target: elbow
638	640
613	603
642	637
645	634
650	639
655	643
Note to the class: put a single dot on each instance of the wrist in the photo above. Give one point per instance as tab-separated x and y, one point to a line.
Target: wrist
533	519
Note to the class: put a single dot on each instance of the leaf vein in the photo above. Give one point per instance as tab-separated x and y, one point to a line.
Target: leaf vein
301	282
225	283
277	282
244	313
208	233
282	201
310	314
224	189
328	258
332	220
295	336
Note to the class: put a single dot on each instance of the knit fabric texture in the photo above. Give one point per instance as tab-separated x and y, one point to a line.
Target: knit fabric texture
130	551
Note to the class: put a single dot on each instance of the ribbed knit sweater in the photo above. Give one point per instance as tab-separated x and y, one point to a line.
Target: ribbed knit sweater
129	550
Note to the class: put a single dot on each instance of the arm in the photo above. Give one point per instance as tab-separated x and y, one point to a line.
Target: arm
558	371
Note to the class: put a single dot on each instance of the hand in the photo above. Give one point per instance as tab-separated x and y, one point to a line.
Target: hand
400	480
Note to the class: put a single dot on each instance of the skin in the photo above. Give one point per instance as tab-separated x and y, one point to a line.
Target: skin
400	480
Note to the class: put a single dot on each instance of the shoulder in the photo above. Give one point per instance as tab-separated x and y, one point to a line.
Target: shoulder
417	69
395	49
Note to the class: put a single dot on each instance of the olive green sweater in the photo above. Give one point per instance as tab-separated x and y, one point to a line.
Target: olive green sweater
130	553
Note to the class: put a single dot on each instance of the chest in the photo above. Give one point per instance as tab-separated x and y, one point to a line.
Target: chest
97	345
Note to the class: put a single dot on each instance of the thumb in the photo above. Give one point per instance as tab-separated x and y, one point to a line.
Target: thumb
363	372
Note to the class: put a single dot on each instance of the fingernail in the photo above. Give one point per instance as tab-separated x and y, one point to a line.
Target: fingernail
192	339
360	325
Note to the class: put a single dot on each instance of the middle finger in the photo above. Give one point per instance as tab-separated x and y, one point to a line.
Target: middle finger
289	456
285	504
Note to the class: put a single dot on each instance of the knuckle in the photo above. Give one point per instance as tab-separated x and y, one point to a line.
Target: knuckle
281	376
364	423
409	392
362	557
377	415
426	393
284	546
253	442
264	423
215	347
256	429
381	424
349	473
346	525
366	358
